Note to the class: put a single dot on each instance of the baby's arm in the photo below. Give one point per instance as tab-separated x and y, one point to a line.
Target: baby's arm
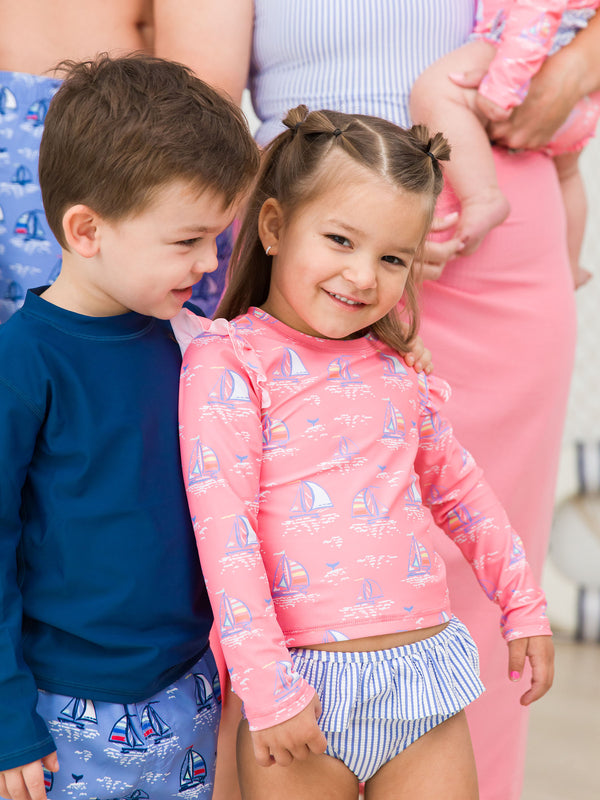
443	105
526	40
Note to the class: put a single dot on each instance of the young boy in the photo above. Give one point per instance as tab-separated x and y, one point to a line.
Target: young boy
107	682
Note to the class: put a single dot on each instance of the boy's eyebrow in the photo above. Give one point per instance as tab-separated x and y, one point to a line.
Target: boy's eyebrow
410	250
198	228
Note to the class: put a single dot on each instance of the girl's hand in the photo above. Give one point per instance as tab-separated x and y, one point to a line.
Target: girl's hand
419	357
293	739
27	781
437	254
540	652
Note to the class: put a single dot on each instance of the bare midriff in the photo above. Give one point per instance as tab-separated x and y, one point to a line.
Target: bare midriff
36	34
384	642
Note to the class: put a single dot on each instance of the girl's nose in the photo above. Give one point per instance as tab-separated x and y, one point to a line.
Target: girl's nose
361	273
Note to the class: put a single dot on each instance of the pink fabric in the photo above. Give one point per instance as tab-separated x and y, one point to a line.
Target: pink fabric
524	31
501	327
340	441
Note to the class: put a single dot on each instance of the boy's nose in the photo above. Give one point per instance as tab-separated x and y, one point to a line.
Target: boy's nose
208	261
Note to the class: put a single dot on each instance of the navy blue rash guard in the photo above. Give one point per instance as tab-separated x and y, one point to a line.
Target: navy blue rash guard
101	593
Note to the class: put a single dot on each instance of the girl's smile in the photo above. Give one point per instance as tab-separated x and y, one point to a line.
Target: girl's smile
341	260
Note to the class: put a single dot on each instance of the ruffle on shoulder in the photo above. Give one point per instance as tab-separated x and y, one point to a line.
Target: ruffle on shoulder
433	390
188	327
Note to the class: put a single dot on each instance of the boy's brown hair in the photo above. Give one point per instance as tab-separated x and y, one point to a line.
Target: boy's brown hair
295	168
118	129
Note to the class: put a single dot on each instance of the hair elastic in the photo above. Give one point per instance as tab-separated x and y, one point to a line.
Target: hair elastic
432	156
337	132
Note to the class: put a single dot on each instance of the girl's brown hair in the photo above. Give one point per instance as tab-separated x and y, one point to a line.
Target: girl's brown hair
293	172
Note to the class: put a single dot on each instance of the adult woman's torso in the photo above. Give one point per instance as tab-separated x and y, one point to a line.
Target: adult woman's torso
357	56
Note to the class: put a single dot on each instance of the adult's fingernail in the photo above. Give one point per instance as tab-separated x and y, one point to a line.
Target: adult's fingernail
514	675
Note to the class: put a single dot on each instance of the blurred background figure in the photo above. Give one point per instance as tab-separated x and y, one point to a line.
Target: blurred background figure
34	37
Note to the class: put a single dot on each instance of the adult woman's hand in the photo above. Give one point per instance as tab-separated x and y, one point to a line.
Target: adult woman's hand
563	80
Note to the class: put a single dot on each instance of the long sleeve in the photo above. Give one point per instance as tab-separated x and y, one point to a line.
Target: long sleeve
24	736
221	401
466	509
527	35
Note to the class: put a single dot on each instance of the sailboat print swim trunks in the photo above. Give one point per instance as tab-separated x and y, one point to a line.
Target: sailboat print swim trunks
164	747
29	254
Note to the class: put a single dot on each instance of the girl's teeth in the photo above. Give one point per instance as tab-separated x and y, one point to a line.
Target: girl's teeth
345	300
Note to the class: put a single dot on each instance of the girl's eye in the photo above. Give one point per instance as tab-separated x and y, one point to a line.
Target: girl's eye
398	262
188	242
338	239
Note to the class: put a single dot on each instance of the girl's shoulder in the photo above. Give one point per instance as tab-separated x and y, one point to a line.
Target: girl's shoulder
189	327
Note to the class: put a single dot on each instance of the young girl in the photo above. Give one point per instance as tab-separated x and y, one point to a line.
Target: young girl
512	38
317	467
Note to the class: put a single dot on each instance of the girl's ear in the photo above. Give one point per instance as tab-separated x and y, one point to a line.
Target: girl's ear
81	229
270	224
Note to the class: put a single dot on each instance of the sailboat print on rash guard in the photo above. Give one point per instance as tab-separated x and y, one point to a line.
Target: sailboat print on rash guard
231	388
234	616
274	432
309	500
241	536
204	464
290	578
366	506
291	367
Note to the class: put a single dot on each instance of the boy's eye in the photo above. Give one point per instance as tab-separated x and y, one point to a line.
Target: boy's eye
338	239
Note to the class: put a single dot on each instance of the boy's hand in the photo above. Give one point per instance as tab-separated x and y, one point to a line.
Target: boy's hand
540	652
295	738
27	781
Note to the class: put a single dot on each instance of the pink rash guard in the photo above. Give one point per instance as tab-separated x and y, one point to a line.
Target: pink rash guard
316	471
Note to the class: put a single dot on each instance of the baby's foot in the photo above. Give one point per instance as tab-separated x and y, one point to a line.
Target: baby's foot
580	275
479	214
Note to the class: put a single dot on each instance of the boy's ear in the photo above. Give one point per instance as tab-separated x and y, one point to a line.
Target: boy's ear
80	226
270	223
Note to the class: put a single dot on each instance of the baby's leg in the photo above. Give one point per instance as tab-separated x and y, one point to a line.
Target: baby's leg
444	106
574	198
438	764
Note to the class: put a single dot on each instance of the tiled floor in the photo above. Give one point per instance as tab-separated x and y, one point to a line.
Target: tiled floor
563	760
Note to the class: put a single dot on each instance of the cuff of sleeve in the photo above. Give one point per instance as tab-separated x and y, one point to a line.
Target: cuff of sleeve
19	758
289	709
